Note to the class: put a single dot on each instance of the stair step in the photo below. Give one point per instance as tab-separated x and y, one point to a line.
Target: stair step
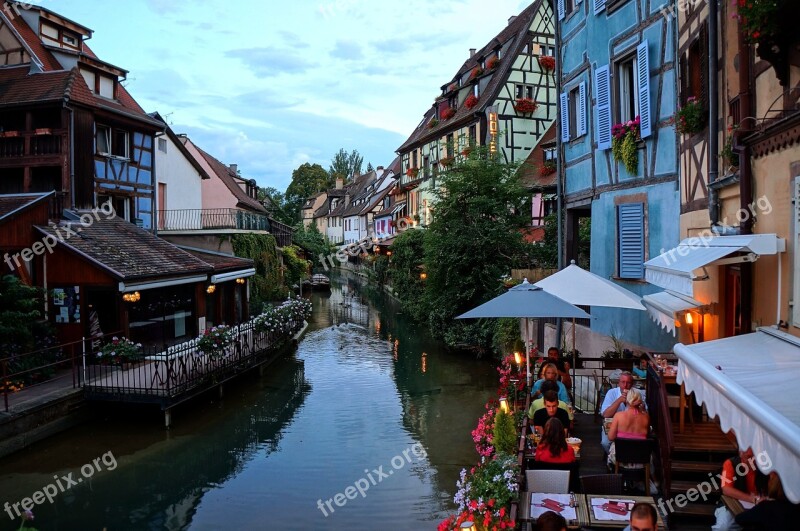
700	467
680	486
696	510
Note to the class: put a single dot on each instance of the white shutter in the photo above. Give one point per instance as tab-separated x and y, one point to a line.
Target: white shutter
643	85
796	256
564	104
561	9
603	118
599	6
582	109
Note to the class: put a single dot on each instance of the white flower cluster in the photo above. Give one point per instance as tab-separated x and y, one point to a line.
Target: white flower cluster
284	319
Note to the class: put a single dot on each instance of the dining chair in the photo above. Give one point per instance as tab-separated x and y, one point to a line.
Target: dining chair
608	484
601	385
634	452
550	481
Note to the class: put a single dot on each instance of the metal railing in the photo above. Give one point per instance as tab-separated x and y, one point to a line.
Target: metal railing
223	219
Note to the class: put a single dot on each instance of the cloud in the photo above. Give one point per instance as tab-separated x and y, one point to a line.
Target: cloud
392	45
347	50
270	61
293	39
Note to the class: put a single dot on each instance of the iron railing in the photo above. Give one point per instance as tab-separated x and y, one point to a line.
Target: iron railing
196	219
168	376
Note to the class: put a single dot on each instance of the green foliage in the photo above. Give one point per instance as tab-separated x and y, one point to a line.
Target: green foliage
506	335
297	268
381	268
267	284
545	253
505	433
407	257
275	203
21	326
625	151
475	238
313	241
307	180
344	166
690	118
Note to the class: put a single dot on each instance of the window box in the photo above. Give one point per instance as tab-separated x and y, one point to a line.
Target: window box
476	72
471	101
493	63
526	106
547	169
547	62
447	161
43	131
690	119
624	145
412	172
433	123
448	113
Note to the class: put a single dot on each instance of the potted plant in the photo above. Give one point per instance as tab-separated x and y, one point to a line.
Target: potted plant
412	172
525	106
120	350
728	156
471	101
548	168
214	341
433	123
493	63
547	62
623	144
446	162
690	119
447	113
477	71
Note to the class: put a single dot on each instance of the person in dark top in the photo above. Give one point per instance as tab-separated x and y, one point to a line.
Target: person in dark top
551	521
550	409
563	366
775	513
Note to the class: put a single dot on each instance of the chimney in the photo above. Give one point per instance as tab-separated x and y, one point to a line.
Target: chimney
235	168
339	183
511	19
472	51
379	172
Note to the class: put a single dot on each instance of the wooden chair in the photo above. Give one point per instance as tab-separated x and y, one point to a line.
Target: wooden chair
601	385
634	452
608	484
550	481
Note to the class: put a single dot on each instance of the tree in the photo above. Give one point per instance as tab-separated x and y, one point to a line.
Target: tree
369	167
405	270
475	238
275	203
307	180
313	241
344	166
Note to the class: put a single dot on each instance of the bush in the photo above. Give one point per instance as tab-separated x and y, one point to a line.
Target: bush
505	433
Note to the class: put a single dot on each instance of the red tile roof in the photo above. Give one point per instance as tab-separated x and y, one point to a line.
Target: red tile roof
227	176
13	203
18	86
127	251
219	261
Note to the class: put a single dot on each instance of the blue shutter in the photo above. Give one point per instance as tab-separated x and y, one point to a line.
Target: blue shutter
561	9
582	109
603	118
599	6
564	105
631	240
643	85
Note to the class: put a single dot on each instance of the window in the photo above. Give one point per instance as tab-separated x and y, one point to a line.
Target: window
102	139
630	240
452	101
122	205
414	160
565	7
627	95
573	113
473	135
550	154
523	91
426	164
476	90
450	145
121	145
162	145
70	39
694	70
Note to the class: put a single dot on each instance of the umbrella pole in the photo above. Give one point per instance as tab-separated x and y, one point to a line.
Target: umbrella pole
573	359
527	355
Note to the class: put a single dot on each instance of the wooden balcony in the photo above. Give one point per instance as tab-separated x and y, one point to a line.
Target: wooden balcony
28	147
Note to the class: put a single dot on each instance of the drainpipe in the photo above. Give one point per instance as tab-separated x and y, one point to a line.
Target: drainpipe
745	175
71	153
713	113
559	168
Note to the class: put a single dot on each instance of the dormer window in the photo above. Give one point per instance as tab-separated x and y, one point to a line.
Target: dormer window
70	39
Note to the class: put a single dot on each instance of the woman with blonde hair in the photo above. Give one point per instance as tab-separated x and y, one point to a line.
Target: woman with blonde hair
633	423
549	371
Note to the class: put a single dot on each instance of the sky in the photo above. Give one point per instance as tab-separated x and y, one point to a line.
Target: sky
271	85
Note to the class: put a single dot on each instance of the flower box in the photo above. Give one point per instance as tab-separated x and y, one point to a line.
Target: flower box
493	63
412	172
623	144
43	131
448	113
447	161
477	71
471	101
547	169
452	86
525	106
547	62
433	123
690	119
10	134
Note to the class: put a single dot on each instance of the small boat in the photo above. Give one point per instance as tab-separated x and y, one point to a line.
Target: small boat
320	282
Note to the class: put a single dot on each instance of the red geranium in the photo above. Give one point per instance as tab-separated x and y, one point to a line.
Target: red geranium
525	106
493	63
447	113
471	101
547	62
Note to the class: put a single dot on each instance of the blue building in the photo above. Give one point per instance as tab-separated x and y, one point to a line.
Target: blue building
618	146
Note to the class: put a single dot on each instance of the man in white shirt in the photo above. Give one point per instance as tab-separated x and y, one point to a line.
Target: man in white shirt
614	402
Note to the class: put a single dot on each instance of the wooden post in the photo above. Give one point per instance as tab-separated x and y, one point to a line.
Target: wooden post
167	418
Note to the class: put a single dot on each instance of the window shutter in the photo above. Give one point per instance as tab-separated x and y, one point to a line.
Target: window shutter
603	118
578	2
643	83
561	9
796	257
631	240
582	109
599	6
563	102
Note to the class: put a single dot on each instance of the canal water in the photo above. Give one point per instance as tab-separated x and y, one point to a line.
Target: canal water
365	426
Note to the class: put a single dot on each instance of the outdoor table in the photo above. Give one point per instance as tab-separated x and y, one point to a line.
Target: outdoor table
672	378
575	516
597	517
735	506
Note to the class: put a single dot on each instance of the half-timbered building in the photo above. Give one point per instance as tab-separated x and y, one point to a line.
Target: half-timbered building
617	74
503	97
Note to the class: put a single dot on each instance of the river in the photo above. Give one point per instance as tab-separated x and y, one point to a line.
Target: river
365	426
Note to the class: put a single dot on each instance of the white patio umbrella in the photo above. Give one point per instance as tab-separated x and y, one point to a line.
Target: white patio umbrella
583	288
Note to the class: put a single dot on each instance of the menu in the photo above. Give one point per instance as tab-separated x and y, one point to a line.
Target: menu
543	502
612	509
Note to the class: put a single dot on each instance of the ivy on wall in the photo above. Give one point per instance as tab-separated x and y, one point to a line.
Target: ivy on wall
267	284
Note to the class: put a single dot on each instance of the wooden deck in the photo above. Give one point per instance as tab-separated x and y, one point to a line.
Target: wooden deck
703	437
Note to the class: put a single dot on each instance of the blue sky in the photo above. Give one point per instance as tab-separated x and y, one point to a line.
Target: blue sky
271	85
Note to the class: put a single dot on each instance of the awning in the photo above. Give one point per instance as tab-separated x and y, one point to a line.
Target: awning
674	269
398	207
751	383
663	306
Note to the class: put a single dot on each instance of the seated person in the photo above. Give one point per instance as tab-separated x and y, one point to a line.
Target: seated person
632	423
561	364
614	402
538	404
553	447
550	410
550	372
551	521
643	518
775	513
749	487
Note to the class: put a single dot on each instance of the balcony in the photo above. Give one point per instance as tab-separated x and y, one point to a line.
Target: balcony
221	220
39	143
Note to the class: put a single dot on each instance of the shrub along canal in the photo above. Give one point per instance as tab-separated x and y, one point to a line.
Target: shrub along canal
367	425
